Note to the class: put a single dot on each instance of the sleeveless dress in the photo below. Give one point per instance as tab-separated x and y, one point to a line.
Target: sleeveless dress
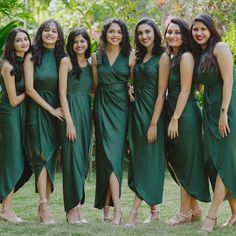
185	153
15	168
111	119
221	151
75	154
44	132
147	161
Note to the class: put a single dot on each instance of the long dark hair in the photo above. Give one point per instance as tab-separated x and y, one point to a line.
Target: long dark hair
125	43
205	57
10	53
187	42
37	48
71	53
140	50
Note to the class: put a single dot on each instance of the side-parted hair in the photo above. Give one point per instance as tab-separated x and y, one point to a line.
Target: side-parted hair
187	42
205	57
37	48
125	43
10	53
71	53
140	50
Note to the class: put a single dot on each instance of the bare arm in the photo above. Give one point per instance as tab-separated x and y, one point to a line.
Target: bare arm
29	85
186	77
9	81
65	67
95	73
164	70
225	62
132	61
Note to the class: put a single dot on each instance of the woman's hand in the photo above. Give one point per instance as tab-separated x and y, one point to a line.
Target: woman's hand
152	134
57	113
70	132
173	129
131	93
223	124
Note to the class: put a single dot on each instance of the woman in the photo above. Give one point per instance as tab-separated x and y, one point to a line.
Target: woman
147	151
75	81
41	79
14	168
111	66
215	72
184	144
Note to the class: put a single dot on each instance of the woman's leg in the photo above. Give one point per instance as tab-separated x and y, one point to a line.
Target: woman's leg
115	192
106	214
154	215
219	195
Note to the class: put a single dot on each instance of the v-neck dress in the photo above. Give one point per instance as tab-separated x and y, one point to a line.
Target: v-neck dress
44	131
15	168
75	154
111	109
221	151
147	161
185	153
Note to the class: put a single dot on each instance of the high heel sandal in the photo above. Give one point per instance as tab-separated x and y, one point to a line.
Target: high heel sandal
44	215
72	216
131	225
107	217
10	216
180	218
154	215
206	228
197	214
80	216
117	217
231	221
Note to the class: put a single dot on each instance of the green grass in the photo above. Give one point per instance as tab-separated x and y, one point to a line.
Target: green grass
25	205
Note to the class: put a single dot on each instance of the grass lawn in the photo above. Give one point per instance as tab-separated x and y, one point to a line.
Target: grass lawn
25	205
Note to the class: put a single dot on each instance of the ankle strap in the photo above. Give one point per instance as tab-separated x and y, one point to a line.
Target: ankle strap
155	211
43	201
211	218
134	211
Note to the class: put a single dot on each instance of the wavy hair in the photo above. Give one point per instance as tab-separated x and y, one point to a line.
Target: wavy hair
10	53
125	43
140	50
187	42
205	57
37	48
71	53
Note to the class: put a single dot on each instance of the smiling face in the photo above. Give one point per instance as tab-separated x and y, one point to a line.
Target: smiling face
80	45
200	33
173	37
114	34
50	35
21	43
146	35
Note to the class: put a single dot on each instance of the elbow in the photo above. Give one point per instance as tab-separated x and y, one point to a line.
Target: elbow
29	92
13	103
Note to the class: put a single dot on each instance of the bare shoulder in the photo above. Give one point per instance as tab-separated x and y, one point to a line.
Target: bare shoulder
94	59
132	58
221	48
65	61
187	56
28	56
165	57
6	68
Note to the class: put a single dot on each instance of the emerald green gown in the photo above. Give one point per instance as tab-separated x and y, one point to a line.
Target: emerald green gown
44	131
111	109
147	161
75	154
185	153
221	151
15	168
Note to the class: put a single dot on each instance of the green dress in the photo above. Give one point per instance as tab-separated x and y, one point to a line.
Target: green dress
111	119
75	154
15	168
43	127
147	161
222	151
185	153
